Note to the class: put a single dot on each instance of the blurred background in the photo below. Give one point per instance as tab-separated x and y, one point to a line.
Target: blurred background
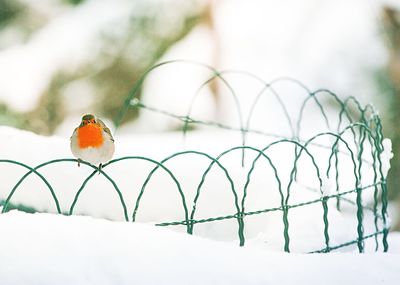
60	59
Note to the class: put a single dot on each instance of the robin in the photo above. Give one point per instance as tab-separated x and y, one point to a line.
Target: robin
92	141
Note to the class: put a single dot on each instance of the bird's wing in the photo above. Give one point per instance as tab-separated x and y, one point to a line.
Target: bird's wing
107	130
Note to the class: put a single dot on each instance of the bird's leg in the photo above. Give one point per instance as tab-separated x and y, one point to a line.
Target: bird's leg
100	167
79	162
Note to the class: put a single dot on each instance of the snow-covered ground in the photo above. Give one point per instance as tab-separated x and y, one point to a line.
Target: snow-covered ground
51	249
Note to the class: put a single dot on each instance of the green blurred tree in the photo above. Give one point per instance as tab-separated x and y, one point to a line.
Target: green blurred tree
390	79
152	30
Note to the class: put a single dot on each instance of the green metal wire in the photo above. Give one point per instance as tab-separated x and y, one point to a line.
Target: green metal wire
358	129
31	170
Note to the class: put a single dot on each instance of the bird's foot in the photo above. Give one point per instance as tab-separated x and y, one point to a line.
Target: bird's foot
79	162
100	167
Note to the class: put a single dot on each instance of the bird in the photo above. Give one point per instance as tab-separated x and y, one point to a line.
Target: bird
92	141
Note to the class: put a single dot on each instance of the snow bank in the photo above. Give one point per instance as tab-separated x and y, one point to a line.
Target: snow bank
48	249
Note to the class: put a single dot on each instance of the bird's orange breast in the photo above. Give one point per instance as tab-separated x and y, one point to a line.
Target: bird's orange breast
90	135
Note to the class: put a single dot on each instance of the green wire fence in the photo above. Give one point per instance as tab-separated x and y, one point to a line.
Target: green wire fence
356	135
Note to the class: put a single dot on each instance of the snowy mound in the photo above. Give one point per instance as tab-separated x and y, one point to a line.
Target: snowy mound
81	250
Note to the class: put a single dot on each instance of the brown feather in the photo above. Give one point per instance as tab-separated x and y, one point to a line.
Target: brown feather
107	130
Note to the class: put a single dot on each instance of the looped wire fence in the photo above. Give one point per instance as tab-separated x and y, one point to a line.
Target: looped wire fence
356	135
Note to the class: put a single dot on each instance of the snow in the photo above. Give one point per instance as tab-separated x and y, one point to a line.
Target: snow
386	156
49	249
